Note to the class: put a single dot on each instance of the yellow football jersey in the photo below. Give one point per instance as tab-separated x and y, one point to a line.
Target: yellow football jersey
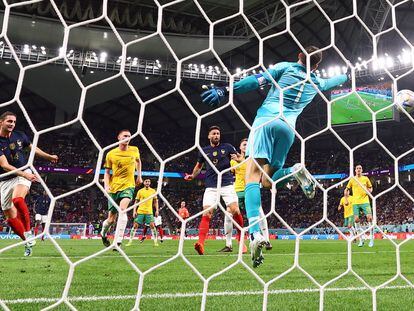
145	207
122	164
359	195
240	173
348	210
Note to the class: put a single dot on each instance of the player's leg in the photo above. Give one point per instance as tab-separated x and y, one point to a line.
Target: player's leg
160	233
368	214
144	234
358	228
18	198
122	219
253	204
228	232
231	200
264	229
110	220
38	221
150	220
209	203
134	228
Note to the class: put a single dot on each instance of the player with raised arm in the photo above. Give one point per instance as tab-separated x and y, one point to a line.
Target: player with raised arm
271	136
361	201
239	172
146	199
15	187
220	155
119	181
41	208
346	204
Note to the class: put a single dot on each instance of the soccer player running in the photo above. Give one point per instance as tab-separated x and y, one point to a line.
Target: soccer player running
220	155
143	213
361	201
119	181
41	207
158	227
15	187
239	186
271	137
346	204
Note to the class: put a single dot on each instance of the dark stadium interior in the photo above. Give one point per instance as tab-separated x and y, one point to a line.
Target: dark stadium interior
51	95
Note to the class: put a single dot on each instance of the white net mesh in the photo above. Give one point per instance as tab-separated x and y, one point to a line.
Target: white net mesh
320	288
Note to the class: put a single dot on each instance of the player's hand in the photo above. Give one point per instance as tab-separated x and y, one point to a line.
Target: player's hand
54	158
30	177
138	181
214	95
188	177
156	213
107	188
134	215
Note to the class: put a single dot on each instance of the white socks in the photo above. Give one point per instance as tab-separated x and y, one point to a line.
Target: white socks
228	230
263	225
106	225
120	227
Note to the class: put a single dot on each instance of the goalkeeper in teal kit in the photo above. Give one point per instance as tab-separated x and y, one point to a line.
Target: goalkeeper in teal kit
272	135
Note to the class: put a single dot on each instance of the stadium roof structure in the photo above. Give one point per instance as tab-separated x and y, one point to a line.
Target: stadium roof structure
186	30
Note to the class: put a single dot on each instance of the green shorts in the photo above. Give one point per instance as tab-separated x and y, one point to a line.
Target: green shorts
144	219
365	208
118	196
240	195
349	221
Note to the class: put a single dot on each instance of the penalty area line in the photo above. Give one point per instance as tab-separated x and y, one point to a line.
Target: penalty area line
192	295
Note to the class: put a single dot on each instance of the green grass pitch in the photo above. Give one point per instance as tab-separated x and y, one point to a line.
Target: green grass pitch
350	109
108	282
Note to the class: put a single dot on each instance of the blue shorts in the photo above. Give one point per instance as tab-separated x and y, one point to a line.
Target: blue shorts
271	141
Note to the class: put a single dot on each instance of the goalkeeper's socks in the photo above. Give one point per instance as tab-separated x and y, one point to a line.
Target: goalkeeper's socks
17	227
253	203
203	229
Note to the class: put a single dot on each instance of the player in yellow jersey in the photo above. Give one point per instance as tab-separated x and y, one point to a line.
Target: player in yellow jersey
239	172
119	181
361	201
346	204
146	199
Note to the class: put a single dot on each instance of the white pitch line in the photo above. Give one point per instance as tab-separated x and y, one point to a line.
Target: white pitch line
191	295
192	255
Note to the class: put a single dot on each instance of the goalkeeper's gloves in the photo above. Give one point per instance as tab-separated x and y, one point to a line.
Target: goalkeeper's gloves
214	95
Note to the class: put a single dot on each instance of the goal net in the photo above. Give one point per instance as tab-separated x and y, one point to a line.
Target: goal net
259	28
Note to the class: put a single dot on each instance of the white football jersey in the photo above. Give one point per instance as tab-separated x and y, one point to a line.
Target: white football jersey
158	221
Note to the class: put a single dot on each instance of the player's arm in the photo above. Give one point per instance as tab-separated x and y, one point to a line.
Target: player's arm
232	165
369	186
340	206
107	178
134	212
40	153
215	95
138	167
196	170
5	165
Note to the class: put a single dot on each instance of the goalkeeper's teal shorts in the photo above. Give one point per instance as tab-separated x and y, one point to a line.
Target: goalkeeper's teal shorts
271	141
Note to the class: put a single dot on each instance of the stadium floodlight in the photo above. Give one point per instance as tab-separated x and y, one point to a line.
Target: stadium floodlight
406	57
331	72
389	61
34	47
26	49
146	78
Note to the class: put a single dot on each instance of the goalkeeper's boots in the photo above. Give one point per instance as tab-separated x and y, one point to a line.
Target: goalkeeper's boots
256	244
199	248
142	239
105	241
361	242
305	180
371	243
129	243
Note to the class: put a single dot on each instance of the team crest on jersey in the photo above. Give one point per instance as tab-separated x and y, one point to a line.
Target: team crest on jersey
215	161
19	143
215	153
223	151
12	146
